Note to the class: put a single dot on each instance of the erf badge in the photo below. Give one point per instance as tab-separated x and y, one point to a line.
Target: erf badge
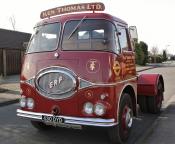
93	66
55	82
116	68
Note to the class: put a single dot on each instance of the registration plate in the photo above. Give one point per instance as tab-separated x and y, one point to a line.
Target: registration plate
52	119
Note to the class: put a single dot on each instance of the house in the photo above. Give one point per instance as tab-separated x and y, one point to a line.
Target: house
11	51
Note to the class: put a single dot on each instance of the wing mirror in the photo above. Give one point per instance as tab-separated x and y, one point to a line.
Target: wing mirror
133	33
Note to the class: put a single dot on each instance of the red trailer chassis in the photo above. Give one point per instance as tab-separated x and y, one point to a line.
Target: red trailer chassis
79	70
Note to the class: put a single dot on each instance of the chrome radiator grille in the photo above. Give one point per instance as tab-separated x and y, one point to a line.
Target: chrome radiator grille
56	82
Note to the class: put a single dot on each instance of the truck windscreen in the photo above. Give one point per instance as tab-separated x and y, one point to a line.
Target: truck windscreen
89	35
45	38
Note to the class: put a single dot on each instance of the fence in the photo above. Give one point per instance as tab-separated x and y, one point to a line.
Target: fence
10	61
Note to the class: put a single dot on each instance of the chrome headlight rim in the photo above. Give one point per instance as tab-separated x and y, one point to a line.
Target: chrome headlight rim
101	111
30	103
88	108
23	102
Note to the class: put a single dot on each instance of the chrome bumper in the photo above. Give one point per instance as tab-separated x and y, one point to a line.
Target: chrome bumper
70	120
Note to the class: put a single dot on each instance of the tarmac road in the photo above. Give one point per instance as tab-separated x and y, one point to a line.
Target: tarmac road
162	130
169	80
14	130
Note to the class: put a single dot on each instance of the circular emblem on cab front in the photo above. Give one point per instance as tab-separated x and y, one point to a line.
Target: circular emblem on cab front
93	66
56	82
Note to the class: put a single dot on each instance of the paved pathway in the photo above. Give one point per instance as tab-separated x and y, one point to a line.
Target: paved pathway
9	90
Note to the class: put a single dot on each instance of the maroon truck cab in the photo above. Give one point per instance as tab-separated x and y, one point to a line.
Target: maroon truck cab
79	70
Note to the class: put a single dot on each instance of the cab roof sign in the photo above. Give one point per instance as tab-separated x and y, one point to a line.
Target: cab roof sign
72	8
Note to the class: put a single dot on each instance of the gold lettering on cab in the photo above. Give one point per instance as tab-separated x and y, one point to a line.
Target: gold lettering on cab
73	8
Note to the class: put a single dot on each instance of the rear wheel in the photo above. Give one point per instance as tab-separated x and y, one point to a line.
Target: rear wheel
120	133
40	125
142	101
155	102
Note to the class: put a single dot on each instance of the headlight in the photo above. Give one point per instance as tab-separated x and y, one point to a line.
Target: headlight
99	109
88	108
22	102
30	103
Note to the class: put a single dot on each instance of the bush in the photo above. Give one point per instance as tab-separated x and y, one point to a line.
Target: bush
141	51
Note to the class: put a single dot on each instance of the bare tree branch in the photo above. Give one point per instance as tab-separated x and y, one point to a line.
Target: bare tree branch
13	22
154	51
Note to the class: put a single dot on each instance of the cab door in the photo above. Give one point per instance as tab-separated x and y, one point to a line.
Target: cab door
127	54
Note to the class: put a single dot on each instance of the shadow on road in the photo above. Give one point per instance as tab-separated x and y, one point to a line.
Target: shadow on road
162	131
20	131
92	135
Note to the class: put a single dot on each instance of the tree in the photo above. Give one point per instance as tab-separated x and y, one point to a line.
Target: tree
164	55
141	50
139	54
13	22
144	48
154	51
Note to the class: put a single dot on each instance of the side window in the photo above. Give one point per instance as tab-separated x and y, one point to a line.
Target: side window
117	47
123	38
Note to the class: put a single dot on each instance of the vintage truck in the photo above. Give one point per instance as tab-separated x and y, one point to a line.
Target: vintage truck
79	70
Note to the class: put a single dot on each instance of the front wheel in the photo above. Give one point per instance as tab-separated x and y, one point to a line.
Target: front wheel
120	133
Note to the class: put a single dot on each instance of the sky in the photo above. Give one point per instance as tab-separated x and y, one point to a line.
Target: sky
154	19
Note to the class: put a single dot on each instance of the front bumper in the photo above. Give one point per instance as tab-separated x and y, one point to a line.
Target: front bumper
99	122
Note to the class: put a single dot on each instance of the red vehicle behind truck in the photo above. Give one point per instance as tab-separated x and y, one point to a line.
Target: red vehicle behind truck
79	70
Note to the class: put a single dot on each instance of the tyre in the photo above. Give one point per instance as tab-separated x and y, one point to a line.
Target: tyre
40	125
155	102
120	133
142	101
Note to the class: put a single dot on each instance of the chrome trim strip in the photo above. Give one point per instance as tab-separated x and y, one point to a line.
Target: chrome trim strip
106	84
91	84
70	120
30	82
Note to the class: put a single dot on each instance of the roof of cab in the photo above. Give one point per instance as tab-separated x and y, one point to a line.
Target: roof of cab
66	17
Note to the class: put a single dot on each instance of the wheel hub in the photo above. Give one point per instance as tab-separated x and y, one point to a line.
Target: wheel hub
127	118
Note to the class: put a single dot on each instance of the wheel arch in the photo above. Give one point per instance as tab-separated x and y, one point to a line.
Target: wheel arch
129	89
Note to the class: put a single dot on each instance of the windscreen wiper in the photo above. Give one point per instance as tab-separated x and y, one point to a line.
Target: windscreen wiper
76	27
